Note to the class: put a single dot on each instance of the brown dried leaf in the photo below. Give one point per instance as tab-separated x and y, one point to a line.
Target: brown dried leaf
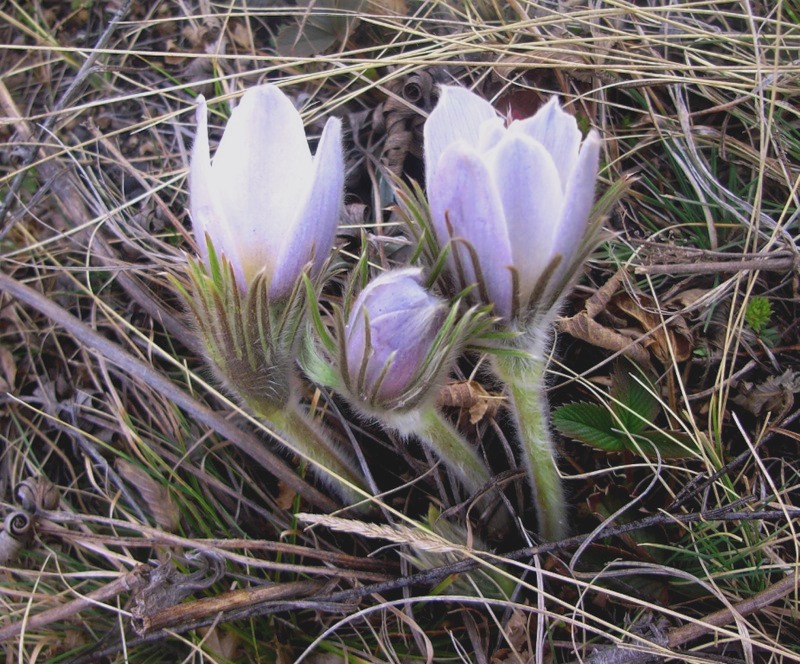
581	326
387	7
666	336
775	394
8	370
223	642
155	495
471	396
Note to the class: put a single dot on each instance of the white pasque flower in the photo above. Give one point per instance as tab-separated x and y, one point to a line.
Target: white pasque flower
264	202
519	195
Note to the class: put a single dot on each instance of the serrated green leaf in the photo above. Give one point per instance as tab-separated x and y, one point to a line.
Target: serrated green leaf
589	423
633	400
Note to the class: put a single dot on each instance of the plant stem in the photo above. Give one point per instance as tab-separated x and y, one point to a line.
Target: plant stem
453	449
329	462
524	378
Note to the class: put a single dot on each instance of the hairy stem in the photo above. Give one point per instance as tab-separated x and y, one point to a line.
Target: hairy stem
524	378
329	462
453	449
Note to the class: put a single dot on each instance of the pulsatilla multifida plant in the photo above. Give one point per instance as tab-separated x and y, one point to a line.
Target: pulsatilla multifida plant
509	214
265	214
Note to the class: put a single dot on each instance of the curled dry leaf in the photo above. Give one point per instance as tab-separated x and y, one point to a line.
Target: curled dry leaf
631	323
400	116
668	333
37	493
8	370
155	495
470	396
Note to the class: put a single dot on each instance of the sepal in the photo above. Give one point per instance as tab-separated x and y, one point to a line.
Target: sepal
249	342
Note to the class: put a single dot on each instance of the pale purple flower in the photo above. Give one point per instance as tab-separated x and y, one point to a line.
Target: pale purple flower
390	334
264	201
520	195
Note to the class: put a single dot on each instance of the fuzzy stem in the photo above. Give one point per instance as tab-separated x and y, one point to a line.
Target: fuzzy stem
524	378
329	462
451	447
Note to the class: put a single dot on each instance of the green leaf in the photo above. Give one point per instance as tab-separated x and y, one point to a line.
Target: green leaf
589	423
633	400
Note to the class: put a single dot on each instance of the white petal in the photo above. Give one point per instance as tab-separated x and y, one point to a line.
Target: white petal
578	199
314	229
491	133
463	193
262	168
208	215
457	117
527	181
558	131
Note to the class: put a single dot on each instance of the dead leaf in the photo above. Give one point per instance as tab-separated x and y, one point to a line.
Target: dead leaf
583	327
775	394
630	323
8	370
668	334
469	395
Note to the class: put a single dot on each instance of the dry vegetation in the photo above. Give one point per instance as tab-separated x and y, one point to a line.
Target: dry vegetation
150	519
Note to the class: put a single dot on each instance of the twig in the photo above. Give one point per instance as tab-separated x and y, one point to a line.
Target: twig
626	654
135	368
136	578
694	630
765	264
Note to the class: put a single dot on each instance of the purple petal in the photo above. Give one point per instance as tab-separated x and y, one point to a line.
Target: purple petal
463	192
403	320
314	229
458	116
558	132
579	199
529	187
262	167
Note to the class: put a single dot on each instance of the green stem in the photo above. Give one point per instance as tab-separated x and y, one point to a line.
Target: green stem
329	462
453	449
524	378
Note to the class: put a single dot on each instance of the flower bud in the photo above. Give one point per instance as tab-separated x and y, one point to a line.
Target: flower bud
514	201
389	339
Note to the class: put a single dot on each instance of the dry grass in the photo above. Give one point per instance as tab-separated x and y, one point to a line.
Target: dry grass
174	533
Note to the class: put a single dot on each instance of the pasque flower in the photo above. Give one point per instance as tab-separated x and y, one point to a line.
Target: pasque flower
265	214
389	334
511	204
395	345
264	202
515	200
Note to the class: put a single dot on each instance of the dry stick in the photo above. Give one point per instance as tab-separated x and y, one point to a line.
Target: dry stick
765	264
134	367
233	600
82	74
133	580
679	636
